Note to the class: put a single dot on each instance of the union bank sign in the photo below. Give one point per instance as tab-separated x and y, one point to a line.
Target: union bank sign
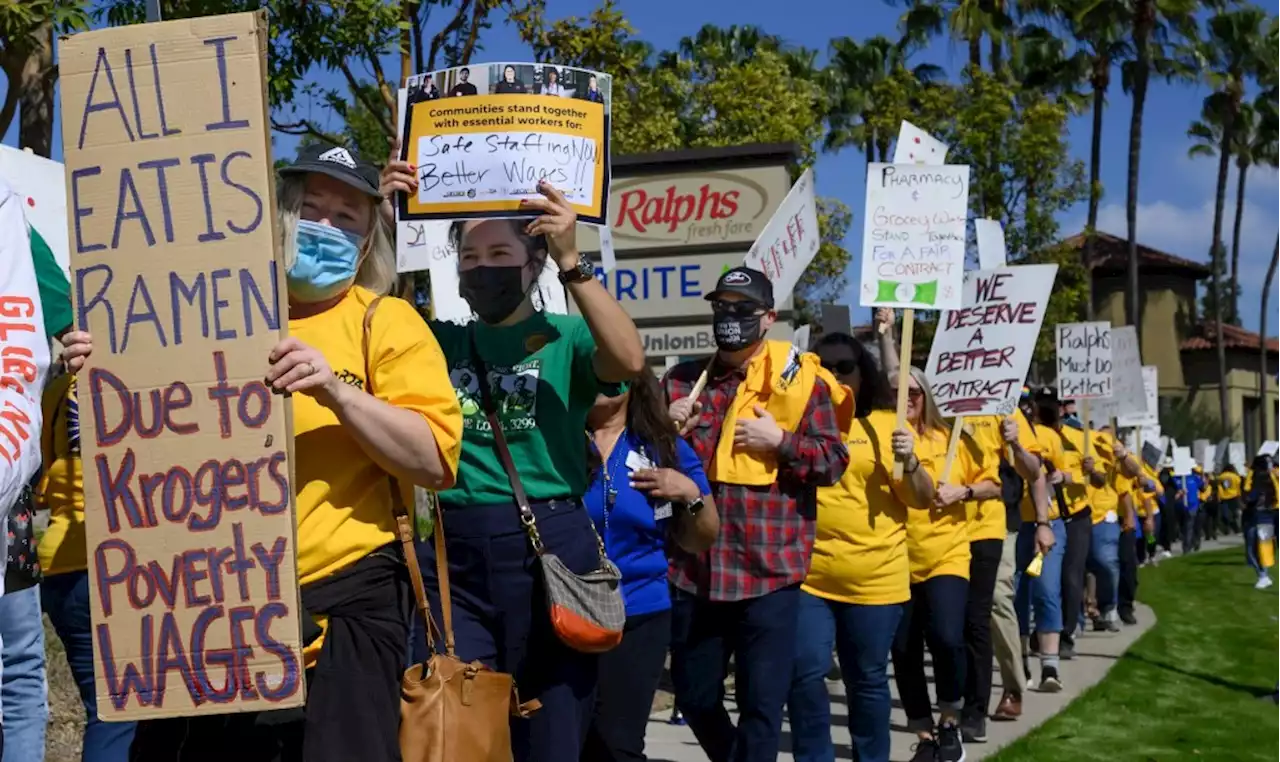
695	208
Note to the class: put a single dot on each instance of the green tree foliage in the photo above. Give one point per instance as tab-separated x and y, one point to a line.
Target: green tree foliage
27	29
720	87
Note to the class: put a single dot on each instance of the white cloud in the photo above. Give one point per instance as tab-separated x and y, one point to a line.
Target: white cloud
1186	231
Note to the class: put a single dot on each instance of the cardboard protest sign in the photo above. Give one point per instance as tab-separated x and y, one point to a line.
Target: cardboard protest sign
1128	395
1183	463
991	249
915	146
1198	449
981	352
913	243
790	241
800	340
1084	360
1152	455
42	188
482	137
1236	455
176	271
1270	448
1151	408
1209	459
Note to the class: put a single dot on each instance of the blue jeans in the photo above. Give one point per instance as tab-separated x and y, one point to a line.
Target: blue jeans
760	635
24	690
862	636
1043	592
66	601
1104	563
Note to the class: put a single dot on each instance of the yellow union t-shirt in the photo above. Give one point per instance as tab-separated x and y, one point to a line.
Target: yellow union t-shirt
938	538
860	545
1049	444
1228	485
62	547
1076	494
987	517
343	496
1103	500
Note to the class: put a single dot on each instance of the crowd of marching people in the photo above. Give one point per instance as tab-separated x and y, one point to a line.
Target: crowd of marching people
767	513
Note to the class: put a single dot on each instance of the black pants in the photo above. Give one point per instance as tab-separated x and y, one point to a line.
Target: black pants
1079	539
984	569
1128	571
934	616
1170	526
353	692
1211	512
629	676
1231	514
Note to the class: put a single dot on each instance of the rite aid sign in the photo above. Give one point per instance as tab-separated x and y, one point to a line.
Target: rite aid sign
712	208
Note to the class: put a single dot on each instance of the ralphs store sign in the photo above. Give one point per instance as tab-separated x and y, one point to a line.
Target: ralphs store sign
700	208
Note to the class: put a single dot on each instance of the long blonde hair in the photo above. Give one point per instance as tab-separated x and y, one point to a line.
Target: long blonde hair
377	251
933	420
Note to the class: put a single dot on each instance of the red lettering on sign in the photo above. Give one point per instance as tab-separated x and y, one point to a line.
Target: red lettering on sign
640	210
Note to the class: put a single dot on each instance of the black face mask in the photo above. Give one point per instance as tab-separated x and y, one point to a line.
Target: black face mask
735	332
493	293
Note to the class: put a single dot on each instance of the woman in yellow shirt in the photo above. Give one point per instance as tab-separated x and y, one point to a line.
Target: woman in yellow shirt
938	548
359	420
859	577
1229	484
1108	474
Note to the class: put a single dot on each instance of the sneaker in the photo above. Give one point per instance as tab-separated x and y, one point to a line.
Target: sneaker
677	717
1263	583
974	730
925	751
834	674
1067	649
1106	624
1009	709
1165	554
1128	618
1049	680
950	747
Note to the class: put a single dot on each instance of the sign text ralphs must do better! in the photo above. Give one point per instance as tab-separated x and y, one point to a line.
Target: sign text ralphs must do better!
174	260
1084	360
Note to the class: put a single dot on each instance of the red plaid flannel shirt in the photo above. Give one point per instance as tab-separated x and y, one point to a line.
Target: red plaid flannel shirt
766	533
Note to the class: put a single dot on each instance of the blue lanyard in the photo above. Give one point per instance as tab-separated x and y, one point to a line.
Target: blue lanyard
606	472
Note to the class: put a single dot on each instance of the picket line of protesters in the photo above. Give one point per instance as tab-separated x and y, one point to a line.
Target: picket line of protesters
749	504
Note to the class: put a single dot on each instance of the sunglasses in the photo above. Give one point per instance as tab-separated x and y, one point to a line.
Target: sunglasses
913	392
736	309
840	367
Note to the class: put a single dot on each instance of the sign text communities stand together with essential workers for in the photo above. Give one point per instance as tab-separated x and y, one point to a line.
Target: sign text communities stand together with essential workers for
187	454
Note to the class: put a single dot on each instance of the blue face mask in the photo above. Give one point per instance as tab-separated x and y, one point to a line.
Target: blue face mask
324	263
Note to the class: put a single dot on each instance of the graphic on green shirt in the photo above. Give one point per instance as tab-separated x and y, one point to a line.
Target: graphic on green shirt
542	383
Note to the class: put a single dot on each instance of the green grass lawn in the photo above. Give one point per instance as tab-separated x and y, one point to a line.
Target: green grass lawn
1188	689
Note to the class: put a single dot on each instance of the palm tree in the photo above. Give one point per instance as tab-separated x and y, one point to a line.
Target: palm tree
1233	51
1263	370
1257	141
1151	22
967	20
852	75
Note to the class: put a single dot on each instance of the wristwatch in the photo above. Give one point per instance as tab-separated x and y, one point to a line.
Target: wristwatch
583	272
968	492
694	507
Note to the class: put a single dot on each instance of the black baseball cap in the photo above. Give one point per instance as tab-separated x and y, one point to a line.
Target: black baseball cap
1047	394
336	162
750	283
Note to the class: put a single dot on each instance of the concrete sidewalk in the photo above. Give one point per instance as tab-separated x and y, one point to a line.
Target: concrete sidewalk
1096	653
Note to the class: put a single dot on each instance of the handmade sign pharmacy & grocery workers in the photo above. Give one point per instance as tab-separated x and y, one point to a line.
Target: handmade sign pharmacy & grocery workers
482	137
981	352
1084	360
176	272
913	242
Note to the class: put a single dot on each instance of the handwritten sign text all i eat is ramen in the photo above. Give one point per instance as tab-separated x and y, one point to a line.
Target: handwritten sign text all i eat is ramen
913	243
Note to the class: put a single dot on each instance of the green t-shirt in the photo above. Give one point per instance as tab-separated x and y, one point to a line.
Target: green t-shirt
543	384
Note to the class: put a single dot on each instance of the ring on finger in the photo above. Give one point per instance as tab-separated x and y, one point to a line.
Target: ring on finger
311	369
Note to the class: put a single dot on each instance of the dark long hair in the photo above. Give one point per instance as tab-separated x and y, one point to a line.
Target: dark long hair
535	245
873	387
648	420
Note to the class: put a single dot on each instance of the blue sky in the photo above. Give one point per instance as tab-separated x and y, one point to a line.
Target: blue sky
1176	192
